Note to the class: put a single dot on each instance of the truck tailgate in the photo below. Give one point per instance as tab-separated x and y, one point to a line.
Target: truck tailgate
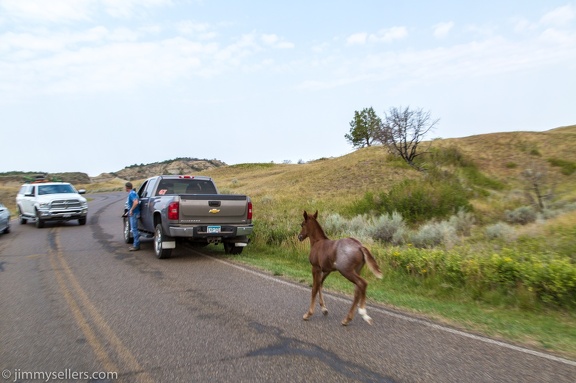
213	209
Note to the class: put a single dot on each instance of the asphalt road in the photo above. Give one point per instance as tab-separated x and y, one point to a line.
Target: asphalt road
74	300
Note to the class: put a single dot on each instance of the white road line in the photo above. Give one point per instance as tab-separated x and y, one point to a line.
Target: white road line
407	318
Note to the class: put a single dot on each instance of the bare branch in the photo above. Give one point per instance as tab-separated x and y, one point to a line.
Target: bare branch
403	130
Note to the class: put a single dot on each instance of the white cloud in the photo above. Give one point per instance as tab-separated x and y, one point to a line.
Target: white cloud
128	8
559	17
189	27
52	11
521	24
382	36
76	10
270	39
275	41
357	38
441	30
389	34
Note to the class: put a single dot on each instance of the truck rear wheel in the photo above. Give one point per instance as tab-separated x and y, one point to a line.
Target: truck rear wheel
127	233
231	248
159	237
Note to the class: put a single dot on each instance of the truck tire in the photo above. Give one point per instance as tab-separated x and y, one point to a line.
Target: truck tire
23	220
39	221
127	233
82	221
159	236
230	248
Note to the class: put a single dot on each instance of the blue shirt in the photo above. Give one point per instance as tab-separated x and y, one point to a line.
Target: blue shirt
133	196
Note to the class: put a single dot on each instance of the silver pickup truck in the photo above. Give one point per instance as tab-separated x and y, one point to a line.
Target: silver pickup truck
189	208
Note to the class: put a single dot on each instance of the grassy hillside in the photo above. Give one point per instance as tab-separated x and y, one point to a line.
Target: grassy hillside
329	183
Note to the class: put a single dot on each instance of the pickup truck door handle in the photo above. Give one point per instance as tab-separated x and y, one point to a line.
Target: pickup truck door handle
214	203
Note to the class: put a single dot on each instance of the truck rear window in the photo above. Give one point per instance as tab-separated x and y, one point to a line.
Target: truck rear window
185	186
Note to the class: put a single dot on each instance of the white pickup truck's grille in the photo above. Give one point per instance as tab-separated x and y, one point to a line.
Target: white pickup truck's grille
65	204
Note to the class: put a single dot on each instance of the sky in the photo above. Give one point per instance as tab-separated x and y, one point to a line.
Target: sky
97	85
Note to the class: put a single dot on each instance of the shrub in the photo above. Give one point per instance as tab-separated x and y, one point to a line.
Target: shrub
389	228
434	234
500	230
273	232
463	222
522	215
422	200
566	167
511	276
335	224
359	226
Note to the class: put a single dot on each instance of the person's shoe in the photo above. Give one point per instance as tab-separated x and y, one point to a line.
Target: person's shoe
132	248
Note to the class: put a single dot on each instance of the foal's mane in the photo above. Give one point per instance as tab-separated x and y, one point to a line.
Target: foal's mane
317	226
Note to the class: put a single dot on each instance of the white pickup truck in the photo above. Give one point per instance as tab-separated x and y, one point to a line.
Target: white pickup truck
51	201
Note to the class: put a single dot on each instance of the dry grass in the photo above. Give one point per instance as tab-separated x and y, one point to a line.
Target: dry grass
329	182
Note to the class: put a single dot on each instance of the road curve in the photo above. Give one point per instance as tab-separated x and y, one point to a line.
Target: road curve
73	299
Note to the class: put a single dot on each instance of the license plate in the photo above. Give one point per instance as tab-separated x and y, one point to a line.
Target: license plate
67	215
213	229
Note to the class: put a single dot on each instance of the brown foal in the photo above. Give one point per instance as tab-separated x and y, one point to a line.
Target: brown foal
346	255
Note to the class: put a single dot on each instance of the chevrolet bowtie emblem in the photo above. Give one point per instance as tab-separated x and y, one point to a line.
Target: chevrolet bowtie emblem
214	211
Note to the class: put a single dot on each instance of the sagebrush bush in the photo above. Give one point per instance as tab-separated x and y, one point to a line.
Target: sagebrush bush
434	234
334	224
463	222
359	226
388	228
500	230
522	215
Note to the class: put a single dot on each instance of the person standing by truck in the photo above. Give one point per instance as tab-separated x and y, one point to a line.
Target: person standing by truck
133	206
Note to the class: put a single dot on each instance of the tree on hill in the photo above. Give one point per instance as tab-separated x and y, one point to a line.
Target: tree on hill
539	185
403	130
364	128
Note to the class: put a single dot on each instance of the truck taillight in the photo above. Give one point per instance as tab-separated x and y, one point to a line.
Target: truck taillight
173	210
249	210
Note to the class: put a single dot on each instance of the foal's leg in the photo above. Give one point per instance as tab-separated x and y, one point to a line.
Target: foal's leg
321	296
362	308
362	303
316	285
359	296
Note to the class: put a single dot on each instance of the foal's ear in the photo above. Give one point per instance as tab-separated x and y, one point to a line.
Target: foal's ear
316	214
305	215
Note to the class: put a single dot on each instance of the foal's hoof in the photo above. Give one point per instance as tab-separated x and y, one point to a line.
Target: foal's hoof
306	316
345	322
365	316
325	311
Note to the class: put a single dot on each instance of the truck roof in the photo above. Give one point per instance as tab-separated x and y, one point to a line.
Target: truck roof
175	176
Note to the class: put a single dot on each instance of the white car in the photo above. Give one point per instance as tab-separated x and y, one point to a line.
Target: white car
51	201
4	219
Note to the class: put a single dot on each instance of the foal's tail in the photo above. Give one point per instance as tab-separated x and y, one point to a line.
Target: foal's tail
371	262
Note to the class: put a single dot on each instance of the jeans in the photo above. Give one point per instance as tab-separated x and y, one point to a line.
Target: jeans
134	229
